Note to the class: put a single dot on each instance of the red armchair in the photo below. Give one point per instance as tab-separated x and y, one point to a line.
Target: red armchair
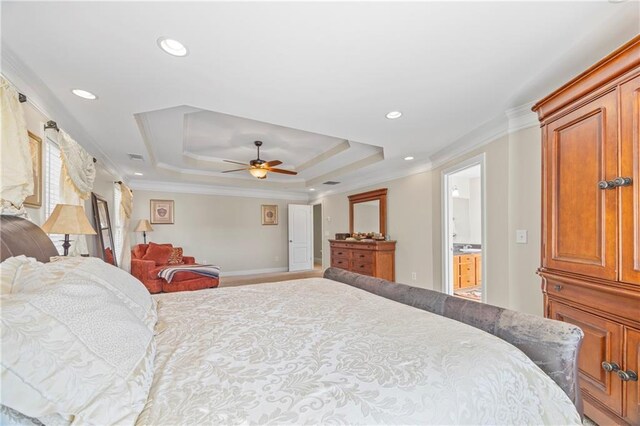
148	259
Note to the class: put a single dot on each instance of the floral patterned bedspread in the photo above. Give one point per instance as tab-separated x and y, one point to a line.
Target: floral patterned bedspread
316	351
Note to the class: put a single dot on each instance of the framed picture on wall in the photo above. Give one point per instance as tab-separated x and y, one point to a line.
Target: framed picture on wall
269	214
35	146
162	212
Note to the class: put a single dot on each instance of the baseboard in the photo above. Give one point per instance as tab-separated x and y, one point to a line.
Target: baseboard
253	272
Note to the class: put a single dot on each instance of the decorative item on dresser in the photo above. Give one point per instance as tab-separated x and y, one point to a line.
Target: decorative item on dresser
591	226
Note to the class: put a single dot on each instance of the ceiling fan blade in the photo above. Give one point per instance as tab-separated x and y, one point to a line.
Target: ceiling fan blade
272	163
235	170
283	171
235	162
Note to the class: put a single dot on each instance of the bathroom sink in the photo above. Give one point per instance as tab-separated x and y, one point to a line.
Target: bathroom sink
471	250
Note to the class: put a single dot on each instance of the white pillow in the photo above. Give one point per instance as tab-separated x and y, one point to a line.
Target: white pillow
72	349
10	271
124	285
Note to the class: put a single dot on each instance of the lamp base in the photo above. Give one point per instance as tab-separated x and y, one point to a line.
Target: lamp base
66	244
144	235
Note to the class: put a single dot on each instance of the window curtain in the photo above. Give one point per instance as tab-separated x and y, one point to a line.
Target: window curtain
76	181
126	206
16	182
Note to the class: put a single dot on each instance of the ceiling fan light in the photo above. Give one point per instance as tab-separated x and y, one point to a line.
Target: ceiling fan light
258	173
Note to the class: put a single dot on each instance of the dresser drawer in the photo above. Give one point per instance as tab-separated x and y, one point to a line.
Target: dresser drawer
341	253
362	256
364	268
339	262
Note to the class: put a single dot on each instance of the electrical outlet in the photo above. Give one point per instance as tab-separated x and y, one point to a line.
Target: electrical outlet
414	276
521	236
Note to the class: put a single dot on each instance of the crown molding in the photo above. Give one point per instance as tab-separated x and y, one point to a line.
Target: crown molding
480	136
521	117
188	188
513	120
45	101
373	179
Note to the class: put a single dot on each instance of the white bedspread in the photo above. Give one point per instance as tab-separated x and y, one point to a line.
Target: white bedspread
316	351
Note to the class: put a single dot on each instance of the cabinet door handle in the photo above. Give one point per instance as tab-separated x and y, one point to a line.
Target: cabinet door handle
628	376
606	366
606	184
622	181
557	287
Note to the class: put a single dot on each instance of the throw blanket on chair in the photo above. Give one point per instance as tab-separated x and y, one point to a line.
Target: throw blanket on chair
206	270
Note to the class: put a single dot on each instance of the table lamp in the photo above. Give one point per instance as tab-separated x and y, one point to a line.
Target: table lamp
143	226
68	219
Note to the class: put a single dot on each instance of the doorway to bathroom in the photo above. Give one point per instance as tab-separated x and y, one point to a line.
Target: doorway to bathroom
464	245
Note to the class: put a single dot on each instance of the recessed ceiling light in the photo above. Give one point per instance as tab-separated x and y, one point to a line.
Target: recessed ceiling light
84	94
138	174
393	115
312	189
172	47
409	158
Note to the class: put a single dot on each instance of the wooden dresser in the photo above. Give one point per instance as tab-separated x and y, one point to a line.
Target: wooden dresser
591	227
376	259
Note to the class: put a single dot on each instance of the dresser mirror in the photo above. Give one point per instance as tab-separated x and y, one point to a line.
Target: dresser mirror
102	222
368	212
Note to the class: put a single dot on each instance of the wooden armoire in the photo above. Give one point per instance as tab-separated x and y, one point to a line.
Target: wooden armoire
591	226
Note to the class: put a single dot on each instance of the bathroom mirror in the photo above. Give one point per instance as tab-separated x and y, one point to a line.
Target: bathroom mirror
102	224
368	212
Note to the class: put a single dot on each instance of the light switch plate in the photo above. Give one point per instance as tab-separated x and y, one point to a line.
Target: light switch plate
521	236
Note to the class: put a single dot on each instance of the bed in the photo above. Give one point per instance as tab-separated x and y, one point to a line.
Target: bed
341	349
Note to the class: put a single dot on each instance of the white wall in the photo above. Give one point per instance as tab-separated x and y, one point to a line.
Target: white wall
475	211
222	230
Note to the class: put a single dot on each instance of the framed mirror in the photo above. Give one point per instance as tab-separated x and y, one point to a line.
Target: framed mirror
102	224
368	212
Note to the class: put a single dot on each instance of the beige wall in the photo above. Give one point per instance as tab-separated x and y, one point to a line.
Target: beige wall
512	202
226	231
408	222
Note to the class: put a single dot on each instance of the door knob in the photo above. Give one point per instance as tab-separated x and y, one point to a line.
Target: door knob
606	366
627	376
622	181
606	184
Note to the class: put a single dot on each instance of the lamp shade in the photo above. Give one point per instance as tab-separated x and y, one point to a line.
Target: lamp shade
143	226
68	219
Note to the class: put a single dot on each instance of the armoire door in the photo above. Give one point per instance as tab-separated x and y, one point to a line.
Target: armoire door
632	412
602	343
580	223
630	168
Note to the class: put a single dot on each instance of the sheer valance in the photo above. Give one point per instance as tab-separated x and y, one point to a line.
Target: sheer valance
78	167
16	182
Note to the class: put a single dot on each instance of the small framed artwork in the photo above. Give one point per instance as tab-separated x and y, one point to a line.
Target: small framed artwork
269	214
162	212
35	146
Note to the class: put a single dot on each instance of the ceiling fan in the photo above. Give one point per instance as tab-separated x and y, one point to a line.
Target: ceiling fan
259	168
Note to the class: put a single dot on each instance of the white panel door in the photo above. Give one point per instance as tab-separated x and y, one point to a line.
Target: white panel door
300	237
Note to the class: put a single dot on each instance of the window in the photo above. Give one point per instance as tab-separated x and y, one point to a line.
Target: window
118	235
52	192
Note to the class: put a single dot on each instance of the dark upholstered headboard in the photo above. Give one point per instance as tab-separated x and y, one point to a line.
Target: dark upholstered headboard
552	345
20	236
